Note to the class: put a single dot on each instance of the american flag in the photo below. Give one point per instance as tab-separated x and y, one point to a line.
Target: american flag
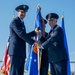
6	61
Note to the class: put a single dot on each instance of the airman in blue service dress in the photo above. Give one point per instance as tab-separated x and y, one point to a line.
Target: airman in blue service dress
17	43
54	43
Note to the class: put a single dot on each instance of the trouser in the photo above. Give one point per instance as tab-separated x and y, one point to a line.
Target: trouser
44	63
59	68
44	71
17	65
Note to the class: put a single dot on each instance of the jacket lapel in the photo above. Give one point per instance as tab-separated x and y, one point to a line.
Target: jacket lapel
21	23
51	31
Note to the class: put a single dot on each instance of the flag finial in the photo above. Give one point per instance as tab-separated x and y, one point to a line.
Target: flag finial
13	14
38	7
62	13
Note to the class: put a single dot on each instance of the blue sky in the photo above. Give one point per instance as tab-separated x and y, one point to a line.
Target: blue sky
6	15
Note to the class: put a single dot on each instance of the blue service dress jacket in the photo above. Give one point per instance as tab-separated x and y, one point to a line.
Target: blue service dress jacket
18	38
54	43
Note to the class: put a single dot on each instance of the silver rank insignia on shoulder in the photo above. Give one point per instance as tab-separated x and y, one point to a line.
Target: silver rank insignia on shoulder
51	33
55	44
23	28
